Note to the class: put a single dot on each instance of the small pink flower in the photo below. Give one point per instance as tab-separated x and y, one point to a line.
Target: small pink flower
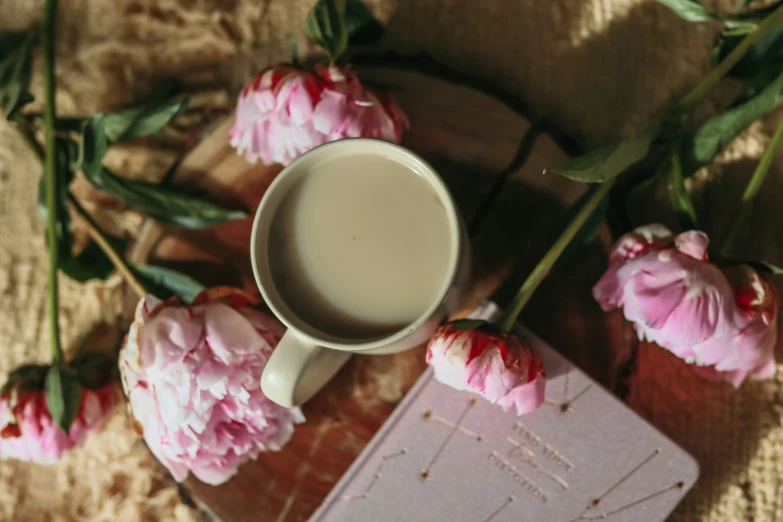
28	432
285	111
192	377
676	298
496	365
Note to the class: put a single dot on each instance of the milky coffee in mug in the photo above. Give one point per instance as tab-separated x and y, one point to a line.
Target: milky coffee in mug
357	247
360	248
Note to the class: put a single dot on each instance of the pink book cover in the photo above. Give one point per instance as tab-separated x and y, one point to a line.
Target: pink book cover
450	456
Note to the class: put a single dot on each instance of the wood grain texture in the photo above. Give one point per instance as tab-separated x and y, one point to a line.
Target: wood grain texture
470	138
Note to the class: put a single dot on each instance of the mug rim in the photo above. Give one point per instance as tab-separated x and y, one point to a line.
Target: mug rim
323	338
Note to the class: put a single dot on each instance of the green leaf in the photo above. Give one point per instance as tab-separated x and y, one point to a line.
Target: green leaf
63	396
735	23
715	134
162	202
755	85
763	266
755	14
360	24
15	68
326	27
165	282
165	203
93	145
467	324
140	122
604	164
146	118
91	263
766	52
681	199
690	10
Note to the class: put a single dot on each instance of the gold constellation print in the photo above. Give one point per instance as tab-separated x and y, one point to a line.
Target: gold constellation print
596	502
565	404
424	474
528	457
374	480
495	513
437	418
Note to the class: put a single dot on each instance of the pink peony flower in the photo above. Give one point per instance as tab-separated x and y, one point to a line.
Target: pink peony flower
285	111
192	377
28	432
676	298
496	365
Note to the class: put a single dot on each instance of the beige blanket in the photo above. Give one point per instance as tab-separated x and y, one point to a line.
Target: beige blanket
599	68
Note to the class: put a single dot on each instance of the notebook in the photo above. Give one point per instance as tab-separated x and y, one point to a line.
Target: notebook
450	456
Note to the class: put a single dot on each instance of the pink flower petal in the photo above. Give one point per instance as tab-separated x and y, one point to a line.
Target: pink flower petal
526	397
693	243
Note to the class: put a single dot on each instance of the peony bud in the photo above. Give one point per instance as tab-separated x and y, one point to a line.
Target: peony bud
469	355
27	430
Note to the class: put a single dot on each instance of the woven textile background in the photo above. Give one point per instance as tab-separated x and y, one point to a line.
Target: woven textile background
598	68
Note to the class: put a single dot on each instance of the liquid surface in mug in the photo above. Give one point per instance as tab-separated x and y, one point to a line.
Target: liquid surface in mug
360	246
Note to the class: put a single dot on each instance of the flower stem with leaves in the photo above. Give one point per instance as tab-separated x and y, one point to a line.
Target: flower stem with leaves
605	165
708	82
510	314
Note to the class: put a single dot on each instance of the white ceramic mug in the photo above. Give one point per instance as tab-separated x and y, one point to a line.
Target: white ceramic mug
306	358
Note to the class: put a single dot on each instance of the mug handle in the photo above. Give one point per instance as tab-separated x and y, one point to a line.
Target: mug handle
297	369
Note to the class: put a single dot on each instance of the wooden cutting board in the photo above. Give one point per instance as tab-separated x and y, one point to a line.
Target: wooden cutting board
493	160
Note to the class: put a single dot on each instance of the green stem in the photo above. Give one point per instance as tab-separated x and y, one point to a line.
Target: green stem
714	76
752	190
50	172
682	202
95	232
115	257
509	316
